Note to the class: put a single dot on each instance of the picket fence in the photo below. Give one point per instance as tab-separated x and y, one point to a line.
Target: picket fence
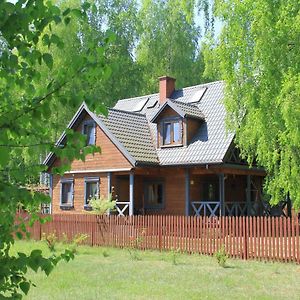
261	238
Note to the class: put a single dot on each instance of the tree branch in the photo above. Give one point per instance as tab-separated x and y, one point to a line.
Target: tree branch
27	146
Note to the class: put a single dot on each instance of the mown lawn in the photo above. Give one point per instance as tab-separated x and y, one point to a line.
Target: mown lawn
94	275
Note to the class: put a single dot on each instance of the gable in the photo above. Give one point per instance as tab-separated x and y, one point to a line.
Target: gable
168	112
109	158
113	153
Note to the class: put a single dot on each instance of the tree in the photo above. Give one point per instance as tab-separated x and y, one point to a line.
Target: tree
169	43
259	58
29	96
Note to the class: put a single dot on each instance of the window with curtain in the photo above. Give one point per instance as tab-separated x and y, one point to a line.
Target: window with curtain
154	194
89	130
66	193
172	132
91	189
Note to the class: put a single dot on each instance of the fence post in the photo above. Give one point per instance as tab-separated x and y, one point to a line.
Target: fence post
246	236
159	233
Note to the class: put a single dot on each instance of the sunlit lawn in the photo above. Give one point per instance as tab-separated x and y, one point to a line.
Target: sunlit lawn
92	275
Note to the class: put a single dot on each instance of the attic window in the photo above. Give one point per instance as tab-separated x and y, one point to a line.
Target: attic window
89	130
172	133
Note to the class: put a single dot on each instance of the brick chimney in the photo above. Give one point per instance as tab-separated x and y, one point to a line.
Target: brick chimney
166	88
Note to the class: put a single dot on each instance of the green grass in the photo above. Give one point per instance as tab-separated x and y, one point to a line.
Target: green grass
94	275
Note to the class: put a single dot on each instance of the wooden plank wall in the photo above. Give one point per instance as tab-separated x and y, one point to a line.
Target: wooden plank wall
258	238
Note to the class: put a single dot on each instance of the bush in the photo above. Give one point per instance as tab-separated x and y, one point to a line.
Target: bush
77	240
51	240
102	205
221	256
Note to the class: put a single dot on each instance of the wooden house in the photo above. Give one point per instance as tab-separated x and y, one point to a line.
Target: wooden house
165	153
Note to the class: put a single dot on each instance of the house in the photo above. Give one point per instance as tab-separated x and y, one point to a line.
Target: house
165	153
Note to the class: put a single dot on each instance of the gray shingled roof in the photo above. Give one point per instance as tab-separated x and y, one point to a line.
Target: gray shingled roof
132	130
190	110
183	109
209	145
129	126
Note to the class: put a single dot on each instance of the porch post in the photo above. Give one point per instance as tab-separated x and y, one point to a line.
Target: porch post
222	193
187	192
248	195
108	183
108	187
131	193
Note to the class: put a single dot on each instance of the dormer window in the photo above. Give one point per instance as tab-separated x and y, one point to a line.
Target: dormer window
172	132
177	123
89	130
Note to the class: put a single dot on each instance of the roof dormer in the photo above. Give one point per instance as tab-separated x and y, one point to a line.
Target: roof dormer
177	123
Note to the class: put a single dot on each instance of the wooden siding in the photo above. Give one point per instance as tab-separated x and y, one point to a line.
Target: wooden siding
192	128
78	191
109	158
174	191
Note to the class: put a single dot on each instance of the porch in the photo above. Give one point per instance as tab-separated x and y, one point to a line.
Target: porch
194	192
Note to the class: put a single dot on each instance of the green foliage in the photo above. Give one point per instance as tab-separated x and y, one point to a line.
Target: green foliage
77	240
102	205
33	89
258	56
221	256
169	43
51	240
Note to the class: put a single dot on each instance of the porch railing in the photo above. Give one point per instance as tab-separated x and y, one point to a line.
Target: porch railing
206	208
121	207
213	208
235	209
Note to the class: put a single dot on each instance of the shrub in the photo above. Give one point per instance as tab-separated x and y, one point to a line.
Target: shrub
51	240
221	256
77	240
105	253
102	205
135	245
64	238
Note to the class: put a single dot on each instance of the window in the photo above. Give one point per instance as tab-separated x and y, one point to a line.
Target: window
154	194
89	130
172	133
91	189
66	193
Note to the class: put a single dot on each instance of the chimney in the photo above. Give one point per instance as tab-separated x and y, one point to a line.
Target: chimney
166	88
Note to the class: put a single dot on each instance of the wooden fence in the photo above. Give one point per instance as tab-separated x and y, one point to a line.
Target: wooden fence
261	238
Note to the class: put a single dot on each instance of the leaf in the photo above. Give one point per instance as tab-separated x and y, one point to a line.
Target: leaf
25	286
36	252
85	5
66	12
47	58
76	12
4	156
19	235
46	40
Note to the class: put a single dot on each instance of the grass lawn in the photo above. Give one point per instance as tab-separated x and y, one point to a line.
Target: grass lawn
93	275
